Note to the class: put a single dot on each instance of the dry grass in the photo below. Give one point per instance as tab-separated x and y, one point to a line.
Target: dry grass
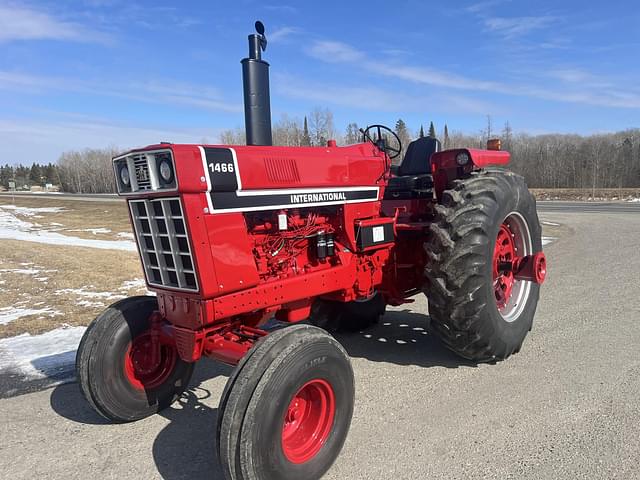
67	275
586	194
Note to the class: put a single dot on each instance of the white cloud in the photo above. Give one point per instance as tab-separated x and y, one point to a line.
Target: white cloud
281	8
281	34
366	97
578	92
162	92
480	7
335	52
23	23
23	141
517	26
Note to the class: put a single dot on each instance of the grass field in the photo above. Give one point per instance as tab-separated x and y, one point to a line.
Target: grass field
587	194
91	264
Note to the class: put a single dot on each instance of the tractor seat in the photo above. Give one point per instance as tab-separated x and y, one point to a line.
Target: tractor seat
412	178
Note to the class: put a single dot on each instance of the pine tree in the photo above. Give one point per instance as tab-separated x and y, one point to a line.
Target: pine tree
35	175
306	138
51	174
405	137
352	134
446	137
6	175
432	130
421	134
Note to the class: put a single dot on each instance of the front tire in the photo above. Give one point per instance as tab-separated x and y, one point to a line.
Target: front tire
115	369
288	408
478	311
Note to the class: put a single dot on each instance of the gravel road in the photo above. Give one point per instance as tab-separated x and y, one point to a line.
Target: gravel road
567	406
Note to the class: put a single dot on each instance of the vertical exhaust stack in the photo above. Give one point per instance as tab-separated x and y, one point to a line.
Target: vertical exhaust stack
255	80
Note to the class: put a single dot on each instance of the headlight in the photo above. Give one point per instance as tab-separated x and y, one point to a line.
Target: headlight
462	158
165	171
124	175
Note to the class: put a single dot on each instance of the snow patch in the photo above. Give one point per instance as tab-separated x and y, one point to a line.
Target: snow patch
127	235
634	200
550	224
12	228
81	292
32	212
89	304
95	231
135	283
23	271
9	314
547	240
50	355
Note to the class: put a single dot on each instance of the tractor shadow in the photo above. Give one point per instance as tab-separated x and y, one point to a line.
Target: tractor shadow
186	447
401	338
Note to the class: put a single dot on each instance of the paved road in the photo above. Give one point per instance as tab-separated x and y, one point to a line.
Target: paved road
567	406
87	197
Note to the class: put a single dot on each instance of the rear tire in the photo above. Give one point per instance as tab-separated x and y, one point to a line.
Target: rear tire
109	359
477	313
288	408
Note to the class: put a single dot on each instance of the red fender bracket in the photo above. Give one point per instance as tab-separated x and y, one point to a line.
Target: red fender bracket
453	159
531	267
448	165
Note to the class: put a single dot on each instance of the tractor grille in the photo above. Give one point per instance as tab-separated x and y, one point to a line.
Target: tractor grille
164	245
141	169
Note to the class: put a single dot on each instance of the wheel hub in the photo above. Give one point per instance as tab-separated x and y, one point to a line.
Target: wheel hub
513	246
148	363
503	257
308	421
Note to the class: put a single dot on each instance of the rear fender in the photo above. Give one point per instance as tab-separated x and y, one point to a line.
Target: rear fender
445	167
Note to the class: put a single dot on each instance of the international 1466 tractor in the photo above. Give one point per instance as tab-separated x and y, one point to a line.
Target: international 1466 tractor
231	237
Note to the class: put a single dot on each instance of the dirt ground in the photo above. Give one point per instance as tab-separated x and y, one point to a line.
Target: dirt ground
65	284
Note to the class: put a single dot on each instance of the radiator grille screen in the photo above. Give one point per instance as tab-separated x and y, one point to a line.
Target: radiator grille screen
164	245
141	167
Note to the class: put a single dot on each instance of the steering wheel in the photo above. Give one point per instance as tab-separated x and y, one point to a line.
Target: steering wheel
381	141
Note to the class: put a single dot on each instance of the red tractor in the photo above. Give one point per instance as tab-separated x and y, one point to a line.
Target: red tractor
231	237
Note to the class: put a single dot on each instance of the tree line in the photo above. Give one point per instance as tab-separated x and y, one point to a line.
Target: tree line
608	160
24	176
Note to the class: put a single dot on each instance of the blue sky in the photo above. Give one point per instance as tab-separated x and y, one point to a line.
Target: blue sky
93	73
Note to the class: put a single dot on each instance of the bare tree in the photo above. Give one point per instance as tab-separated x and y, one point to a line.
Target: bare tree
321	126
87	171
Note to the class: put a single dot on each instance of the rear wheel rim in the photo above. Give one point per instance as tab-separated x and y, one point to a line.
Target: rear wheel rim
308	421
513	240
144	370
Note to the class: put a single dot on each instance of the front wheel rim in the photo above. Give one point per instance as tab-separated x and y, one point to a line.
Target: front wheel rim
145	369
308	421
513	240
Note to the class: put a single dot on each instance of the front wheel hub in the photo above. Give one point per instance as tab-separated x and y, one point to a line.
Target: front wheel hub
308	421
148	363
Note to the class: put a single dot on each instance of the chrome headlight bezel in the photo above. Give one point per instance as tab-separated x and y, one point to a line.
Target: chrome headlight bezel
143	169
